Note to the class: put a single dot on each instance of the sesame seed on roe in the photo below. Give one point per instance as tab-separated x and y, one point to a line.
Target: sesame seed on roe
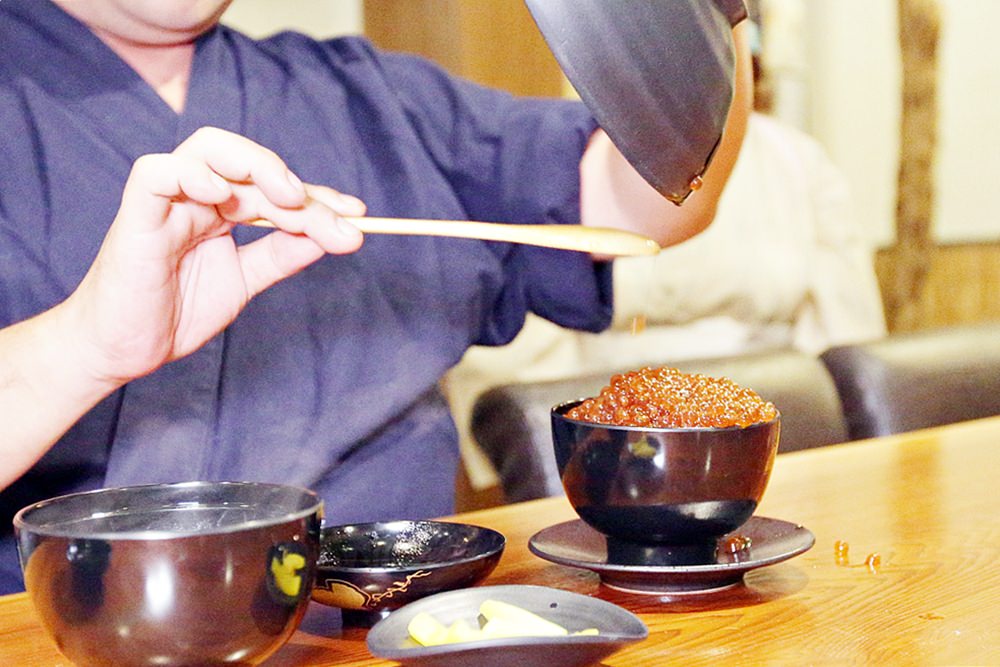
667	398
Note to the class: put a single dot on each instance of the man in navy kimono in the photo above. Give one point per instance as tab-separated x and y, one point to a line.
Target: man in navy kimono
328	379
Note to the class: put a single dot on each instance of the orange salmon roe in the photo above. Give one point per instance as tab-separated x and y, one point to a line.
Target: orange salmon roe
667	398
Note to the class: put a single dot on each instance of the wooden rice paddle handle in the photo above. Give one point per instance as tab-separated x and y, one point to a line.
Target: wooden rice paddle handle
597	240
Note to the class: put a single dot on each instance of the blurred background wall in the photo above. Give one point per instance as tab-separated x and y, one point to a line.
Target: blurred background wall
837	73
319	18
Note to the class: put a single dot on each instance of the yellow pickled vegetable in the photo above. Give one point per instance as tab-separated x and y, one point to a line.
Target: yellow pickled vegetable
427	630
461	631
508	620
501	620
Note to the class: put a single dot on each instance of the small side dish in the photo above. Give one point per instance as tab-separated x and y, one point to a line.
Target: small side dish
616	627
369	569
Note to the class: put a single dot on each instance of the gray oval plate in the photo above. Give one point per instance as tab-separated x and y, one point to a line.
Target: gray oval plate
618	627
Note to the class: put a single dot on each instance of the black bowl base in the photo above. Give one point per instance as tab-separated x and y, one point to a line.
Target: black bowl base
357	618
677	523
644	586
633	555
625	552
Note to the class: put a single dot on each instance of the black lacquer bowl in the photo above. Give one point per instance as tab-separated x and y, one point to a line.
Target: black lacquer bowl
175	574
372	568
677	488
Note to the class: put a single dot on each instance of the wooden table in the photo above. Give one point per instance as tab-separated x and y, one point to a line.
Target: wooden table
925	502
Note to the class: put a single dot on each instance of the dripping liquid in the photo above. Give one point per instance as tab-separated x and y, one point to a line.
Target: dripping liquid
638	324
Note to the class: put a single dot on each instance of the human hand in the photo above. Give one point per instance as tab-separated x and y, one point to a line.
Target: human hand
169	275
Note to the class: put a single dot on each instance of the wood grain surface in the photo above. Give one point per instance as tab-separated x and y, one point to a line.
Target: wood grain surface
925	503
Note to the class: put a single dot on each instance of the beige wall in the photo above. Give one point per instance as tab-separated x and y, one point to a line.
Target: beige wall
850	101
319	18
968	171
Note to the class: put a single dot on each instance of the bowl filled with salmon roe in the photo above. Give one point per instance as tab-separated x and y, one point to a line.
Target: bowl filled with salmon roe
664	457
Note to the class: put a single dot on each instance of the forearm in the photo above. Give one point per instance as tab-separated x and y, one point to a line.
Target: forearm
169	277
44	388
615	195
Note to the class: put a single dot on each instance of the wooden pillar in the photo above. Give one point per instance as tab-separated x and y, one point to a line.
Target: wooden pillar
908	261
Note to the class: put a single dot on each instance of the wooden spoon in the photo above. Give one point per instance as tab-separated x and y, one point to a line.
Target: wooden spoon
597	240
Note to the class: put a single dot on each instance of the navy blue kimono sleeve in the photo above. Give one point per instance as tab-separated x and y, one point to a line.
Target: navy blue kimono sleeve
510	159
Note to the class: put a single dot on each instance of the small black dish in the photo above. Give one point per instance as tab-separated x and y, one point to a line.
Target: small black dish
616	627
760	541
370	569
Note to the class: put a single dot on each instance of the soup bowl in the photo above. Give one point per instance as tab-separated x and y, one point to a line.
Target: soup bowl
175	574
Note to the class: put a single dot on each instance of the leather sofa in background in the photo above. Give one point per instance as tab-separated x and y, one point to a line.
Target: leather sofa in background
906	382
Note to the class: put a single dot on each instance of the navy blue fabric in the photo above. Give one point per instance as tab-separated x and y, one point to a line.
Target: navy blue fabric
328	380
